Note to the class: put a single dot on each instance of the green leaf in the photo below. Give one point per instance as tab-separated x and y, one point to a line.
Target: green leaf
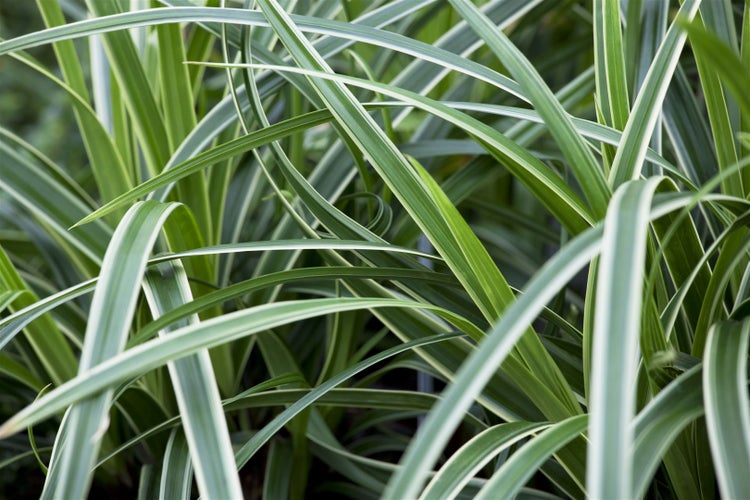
47	341
52	203
513	474
731	256
580	158
718	107
111	176
647	107
185	341
612	89
617	325
468	259
179	118
478	367
135	89
111	312
728	405
657	426
176	470
196	391
12	324
474	455
277	477
262	436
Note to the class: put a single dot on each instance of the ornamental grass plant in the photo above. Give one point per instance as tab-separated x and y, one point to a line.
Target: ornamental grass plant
375	249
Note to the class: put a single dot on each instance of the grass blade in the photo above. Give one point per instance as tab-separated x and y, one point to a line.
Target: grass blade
617	326
647	107
53	203
513	475
108	168
580	158
657	425
259	439
196	392
183	342
126	65
728	405
176	470
468	259
474	455
109	322
611	80
480	365
46	339
733	70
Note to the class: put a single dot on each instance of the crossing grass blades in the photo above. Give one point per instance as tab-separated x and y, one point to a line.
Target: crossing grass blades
389	249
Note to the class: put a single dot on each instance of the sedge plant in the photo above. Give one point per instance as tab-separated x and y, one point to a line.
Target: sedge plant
379	249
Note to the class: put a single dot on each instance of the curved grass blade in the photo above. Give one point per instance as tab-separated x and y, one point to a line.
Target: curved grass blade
356	398
176	470
617	325
580	158
278	278
720	107
548	187
112	178
179	119
196	391
11	325
647	107
660	422
278	476
515	473
683	253
262	436
53	203
54	169
478	367
723	66
474	455
612	89
426	203
583	127
340	29
468	259
421	75
185	341
148	483
135	90
728	406
688	131
731	256
354	31
649	26
175	421
210	157
112	309
18	372
530	348
586	128
47	341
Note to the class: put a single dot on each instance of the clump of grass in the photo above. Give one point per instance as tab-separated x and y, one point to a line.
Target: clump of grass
290	210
